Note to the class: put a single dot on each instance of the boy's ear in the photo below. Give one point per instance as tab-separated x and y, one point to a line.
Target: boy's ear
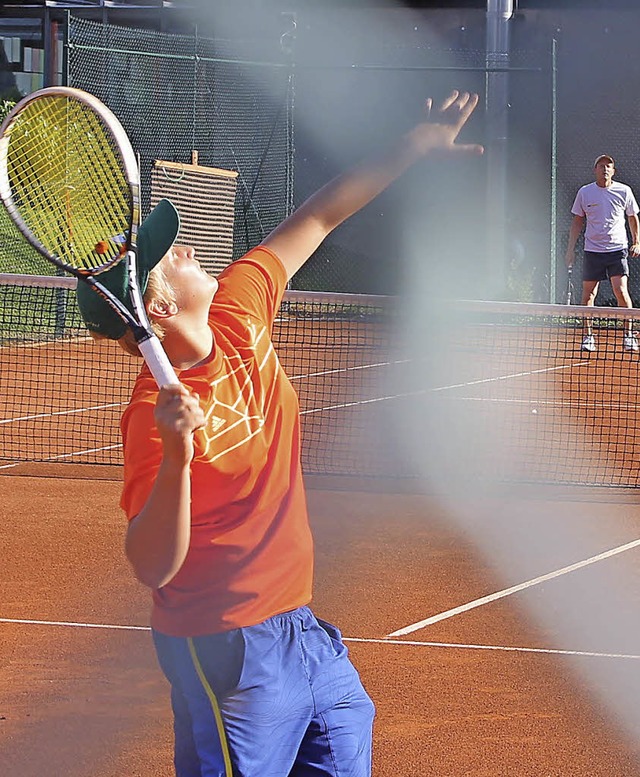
159	308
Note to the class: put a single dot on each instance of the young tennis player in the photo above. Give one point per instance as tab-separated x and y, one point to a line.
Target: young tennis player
214	493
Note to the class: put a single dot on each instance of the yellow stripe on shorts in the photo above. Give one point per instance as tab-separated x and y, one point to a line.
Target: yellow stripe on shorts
215	706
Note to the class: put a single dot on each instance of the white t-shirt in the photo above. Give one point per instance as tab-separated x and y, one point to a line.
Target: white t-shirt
605	208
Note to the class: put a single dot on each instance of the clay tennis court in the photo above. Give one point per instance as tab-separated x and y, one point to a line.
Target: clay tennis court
514	608
80	693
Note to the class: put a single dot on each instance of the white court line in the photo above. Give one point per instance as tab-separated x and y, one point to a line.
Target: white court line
343	405
418	392
75	411
505	648
65	455
30	622
354	368
81	453
310	411
536	402
508	377
512	590
364	640
361	402
551	403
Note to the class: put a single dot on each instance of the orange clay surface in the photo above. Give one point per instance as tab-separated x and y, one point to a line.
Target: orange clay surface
81	695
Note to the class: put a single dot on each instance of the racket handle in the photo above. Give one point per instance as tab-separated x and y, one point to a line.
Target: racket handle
158	362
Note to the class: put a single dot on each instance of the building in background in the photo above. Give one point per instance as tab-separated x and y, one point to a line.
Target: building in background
32	35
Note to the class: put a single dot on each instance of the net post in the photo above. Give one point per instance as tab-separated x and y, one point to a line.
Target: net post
60	313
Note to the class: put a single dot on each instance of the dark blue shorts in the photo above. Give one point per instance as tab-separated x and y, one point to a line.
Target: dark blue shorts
600	265
277	699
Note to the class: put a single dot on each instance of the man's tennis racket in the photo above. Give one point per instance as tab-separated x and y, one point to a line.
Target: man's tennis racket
569	294
69	180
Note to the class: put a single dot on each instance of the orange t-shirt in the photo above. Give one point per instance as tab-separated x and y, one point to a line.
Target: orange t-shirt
251	553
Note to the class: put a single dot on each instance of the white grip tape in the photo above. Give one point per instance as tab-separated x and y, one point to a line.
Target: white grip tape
158	362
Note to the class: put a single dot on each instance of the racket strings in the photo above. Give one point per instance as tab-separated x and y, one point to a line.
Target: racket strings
67	182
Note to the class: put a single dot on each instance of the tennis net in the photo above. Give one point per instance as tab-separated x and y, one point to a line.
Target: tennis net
62	394
489	391
519	399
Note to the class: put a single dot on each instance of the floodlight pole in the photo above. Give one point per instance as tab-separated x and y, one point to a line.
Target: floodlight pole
499	12
50	46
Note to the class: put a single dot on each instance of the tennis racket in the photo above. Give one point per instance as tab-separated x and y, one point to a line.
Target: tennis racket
69	180
569	294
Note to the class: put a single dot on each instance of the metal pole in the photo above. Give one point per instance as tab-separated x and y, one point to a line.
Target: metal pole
50	45
65	49
553	248
499	12
287	46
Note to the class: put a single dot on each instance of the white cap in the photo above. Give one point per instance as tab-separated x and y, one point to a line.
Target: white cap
604	156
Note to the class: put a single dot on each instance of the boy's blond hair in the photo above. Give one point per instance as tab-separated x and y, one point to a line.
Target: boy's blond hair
158	288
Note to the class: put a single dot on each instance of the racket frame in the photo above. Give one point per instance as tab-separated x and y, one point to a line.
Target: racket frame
147	341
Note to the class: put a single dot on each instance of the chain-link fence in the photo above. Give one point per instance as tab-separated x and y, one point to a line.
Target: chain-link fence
442	218
231	101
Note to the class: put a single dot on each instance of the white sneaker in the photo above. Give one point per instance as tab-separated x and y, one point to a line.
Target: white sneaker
589	343
630	343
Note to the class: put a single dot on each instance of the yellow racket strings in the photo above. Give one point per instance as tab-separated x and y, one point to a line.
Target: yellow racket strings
67	182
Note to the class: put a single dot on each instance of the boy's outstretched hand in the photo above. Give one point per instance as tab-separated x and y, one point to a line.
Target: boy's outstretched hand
437	135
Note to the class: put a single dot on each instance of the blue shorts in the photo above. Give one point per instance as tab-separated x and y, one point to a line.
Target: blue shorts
276	699
600	265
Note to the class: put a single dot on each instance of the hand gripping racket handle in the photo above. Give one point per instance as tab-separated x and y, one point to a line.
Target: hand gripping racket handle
158	362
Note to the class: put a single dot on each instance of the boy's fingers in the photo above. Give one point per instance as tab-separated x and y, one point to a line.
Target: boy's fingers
470	148
449	101
467	108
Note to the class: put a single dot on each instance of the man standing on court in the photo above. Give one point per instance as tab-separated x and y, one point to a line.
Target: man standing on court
604	204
